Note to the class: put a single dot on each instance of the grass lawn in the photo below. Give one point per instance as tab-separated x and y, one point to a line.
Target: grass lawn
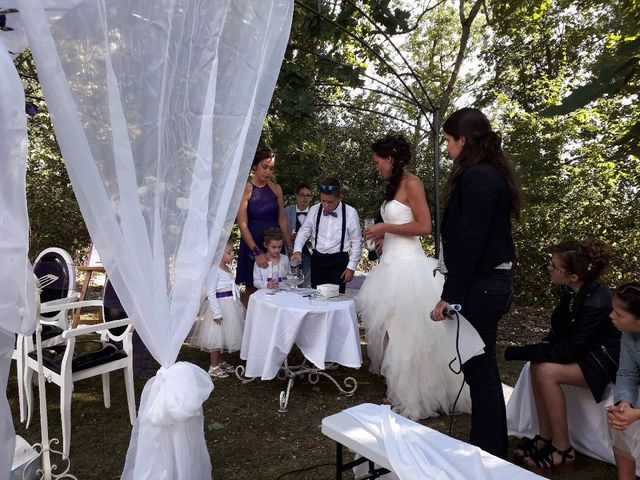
246	436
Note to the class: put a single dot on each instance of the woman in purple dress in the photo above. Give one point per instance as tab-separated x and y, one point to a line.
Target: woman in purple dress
261	207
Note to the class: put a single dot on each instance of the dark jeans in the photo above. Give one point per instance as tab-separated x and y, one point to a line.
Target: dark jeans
487	300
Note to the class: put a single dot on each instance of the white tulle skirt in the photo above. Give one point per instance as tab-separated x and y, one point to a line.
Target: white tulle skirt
209	336
410	350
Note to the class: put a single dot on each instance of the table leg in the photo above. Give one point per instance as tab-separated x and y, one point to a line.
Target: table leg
284	396
338	461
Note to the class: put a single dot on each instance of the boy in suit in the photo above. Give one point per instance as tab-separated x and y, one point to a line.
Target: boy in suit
334	227
296	216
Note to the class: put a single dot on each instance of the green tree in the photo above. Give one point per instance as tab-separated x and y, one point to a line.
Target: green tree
54	215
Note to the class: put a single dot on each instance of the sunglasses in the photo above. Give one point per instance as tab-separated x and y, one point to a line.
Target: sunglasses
324	188
305	195
624	288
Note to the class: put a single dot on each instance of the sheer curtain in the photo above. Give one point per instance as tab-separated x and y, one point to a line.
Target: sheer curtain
157	107
17	291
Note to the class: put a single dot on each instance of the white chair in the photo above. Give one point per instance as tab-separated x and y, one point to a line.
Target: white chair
65	364
54	262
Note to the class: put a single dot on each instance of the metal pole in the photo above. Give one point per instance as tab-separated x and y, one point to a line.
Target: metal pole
436	176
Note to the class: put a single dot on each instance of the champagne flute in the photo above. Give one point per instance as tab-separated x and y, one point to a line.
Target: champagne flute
275	276
370	222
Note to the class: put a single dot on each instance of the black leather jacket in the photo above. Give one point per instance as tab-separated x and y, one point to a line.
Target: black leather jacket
581	332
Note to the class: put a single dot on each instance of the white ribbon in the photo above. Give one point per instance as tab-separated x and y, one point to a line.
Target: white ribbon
171	423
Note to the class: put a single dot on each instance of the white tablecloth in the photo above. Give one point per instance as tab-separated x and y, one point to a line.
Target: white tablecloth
324	333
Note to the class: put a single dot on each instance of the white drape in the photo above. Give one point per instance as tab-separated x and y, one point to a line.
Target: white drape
17	291
157	107
17	294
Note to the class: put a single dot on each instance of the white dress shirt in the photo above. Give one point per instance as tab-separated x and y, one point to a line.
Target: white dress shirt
330	231
302	218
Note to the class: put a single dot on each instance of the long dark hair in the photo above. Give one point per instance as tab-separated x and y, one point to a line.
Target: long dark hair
396	147
587	258
481	145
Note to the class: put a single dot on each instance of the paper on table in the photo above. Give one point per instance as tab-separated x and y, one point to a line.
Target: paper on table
469	343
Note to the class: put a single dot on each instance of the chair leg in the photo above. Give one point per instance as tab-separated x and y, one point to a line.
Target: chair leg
21	388
131	394
27	383
106	390
66	390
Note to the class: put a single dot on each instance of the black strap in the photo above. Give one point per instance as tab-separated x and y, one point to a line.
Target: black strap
344	226
315	245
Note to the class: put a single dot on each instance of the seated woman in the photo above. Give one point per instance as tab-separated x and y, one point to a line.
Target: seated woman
623	417
581	349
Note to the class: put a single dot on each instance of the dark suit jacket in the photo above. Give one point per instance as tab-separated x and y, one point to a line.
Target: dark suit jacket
476	229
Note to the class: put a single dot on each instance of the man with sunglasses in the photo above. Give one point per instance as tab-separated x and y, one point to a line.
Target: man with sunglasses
334	227
296	216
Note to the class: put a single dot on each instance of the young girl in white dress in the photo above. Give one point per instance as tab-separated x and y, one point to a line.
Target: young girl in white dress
219	329
278	264
403	344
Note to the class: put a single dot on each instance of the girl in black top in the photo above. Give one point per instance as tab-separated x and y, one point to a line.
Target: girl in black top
581	349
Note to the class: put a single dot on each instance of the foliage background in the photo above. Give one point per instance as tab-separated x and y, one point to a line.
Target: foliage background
558	79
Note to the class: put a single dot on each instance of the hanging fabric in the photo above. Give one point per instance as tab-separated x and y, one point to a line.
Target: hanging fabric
158	107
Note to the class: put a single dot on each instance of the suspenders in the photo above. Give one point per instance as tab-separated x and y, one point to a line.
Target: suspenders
344	226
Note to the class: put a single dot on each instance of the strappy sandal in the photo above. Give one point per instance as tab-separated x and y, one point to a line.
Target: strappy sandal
217	372
542	461
528	448
227	367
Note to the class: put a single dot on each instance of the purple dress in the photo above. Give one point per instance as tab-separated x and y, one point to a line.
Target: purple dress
262	213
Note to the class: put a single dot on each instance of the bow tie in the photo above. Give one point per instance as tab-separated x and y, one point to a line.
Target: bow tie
301	213
326	212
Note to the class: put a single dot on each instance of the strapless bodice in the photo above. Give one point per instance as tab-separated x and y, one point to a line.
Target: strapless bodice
399	246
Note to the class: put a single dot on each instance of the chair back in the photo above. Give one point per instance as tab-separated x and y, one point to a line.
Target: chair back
58	262
112	309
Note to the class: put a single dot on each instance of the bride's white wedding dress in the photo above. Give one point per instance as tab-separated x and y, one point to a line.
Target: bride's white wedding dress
404	345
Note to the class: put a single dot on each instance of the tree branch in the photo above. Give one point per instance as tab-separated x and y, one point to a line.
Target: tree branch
347	106
466	24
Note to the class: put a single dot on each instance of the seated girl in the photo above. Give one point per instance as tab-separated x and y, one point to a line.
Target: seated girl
277	263
581	348
623	416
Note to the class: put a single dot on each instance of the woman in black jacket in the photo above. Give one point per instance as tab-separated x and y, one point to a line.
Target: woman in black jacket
482	197
581	349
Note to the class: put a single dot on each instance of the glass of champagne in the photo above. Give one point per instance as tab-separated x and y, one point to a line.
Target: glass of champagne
275	277
369	222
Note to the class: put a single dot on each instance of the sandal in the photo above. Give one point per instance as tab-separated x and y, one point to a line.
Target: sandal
543	462
528	448
217	372
227	367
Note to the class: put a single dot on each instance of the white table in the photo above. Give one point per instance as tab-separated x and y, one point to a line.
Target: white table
326	333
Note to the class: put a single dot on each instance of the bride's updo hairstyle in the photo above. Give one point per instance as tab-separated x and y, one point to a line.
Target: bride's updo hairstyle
481	145
397	148
586	259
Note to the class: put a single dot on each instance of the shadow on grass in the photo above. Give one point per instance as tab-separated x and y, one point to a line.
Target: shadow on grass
246	436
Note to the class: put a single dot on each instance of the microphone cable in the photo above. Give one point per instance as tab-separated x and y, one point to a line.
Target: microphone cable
456	372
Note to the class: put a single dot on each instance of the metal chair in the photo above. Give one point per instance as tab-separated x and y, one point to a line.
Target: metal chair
72	361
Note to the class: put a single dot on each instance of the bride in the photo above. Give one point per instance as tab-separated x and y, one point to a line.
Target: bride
403	344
